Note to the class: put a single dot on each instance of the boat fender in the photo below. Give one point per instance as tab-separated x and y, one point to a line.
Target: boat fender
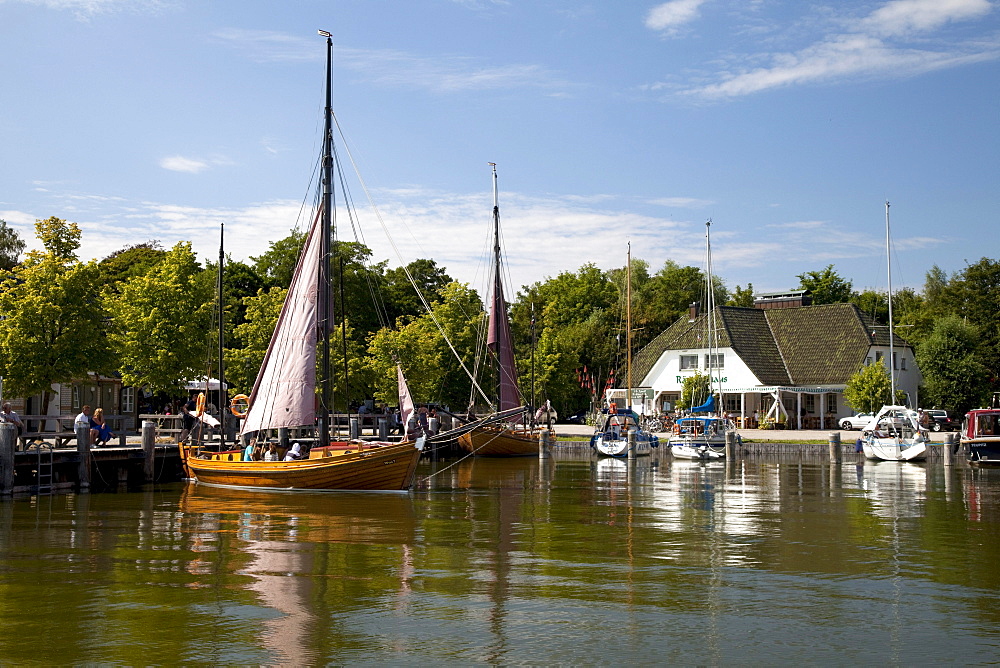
859	445
240	400
739	439
199	406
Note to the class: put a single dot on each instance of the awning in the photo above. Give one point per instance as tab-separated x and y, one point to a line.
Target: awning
200	384
769	389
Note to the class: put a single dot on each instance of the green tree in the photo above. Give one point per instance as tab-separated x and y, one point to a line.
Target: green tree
161	323
53	321
129	262
694	391
826	286
742	297
277	265
401	298
252	336
868	389
949	359
11	246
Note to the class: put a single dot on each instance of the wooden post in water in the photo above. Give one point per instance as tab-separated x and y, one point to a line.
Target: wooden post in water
354	429
730	444
283	439
149	449
544	444
8	437
383	429
631	444
948	449
83	449
836	452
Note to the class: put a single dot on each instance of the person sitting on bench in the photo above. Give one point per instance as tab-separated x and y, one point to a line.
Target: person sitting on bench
100	432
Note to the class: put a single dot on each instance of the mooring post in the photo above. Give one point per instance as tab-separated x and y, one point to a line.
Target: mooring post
631	444
730	444
948	449
383	429
836	452
354	429
544	444
83	449
8	437
149	449
283	440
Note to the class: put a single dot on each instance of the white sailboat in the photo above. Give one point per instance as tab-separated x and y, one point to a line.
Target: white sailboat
611	437
894	434
697	436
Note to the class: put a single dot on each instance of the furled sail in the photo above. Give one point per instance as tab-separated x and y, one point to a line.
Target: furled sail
499	343
284	394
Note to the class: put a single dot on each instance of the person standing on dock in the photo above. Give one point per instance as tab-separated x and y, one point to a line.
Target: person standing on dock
7	415
188	420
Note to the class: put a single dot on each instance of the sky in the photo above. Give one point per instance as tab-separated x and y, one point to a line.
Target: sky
789	124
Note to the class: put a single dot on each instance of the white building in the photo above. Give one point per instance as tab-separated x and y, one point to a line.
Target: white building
778	360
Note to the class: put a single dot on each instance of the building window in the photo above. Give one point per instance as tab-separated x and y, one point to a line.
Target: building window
128	399
689	362
902	363
732	403
878	355
895	362
809	402
831	403
715	361
76	397
868	361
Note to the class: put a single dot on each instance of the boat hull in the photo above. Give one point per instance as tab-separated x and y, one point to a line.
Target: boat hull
611	446
983	451
889	450
383	468
704	450
499	442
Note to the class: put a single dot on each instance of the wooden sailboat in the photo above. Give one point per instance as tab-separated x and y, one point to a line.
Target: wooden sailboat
894	434
611	437
501	440
284	393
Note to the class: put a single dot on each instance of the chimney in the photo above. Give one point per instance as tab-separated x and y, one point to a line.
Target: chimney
693	310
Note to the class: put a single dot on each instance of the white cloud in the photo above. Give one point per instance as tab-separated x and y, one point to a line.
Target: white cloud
85	9
671	15
874	46
178	163
682	202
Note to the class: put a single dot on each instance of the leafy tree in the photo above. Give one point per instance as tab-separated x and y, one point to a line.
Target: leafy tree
401	299
868	389
52	325
954	376
11	246
742	297
430	367
161	323
694	391
253	335
277	265
129	262
668	295
826	286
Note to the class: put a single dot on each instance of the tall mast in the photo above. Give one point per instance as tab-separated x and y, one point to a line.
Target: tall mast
892	353
325	310
628	329
223	403
710	298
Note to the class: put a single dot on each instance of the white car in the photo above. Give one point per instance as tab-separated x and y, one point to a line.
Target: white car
856	421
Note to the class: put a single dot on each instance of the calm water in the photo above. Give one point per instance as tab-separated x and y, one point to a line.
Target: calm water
572	561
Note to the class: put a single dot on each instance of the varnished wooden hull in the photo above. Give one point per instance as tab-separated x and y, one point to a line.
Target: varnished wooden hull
390	467
497	442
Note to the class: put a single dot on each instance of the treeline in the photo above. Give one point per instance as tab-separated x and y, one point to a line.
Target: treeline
148	314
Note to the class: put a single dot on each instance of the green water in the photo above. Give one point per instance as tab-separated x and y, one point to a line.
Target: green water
571	561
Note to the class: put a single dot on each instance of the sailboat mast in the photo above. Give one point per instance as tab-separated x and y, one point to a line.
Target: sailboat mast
628	329
325	310
223	403
892	353
710	299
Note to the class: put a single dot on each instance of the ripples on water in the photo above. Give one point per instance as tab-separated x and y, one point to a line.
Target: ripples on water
573	560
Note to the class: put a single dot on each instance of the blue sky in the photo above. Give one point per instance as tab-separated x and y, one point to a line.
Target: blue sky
788	123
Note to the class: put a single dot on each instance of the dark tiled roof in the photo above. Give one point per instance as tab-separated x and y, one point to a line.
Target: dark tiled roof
808	345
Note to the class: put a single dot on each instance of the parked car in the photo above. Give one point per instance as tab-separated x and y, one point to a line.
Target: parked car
579	417
856	421
942	420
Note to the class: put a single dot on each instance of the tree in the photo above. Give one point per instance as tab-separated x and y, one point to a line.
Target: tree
53	321
949	359
694	391
129	262
11	246
826	286
401	298
161	323
869	389
277	265
742	297
252	336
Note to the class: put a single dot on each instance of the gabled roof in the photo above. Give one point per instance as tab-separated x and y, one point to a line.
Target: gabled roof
808	345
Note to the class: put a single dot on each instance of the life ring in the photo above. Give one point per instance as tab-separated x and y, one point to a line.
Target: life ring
676	429
234	409
199	405
613	408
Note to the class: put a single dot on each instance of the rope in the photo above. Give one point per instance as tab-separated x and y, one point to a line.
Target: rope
459	461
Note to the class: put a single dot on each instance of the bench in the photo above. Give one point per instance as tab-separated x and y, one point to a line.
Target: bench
64	434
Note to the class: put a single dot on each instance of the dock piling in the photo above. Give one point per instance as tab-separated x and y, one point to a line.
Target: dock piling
8	438
544	444
836	452
949	449
148	448
730	444
631	444
82	430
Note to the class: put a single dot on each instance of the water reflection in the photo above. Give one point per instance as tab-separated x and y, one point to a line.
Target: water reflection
565	560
